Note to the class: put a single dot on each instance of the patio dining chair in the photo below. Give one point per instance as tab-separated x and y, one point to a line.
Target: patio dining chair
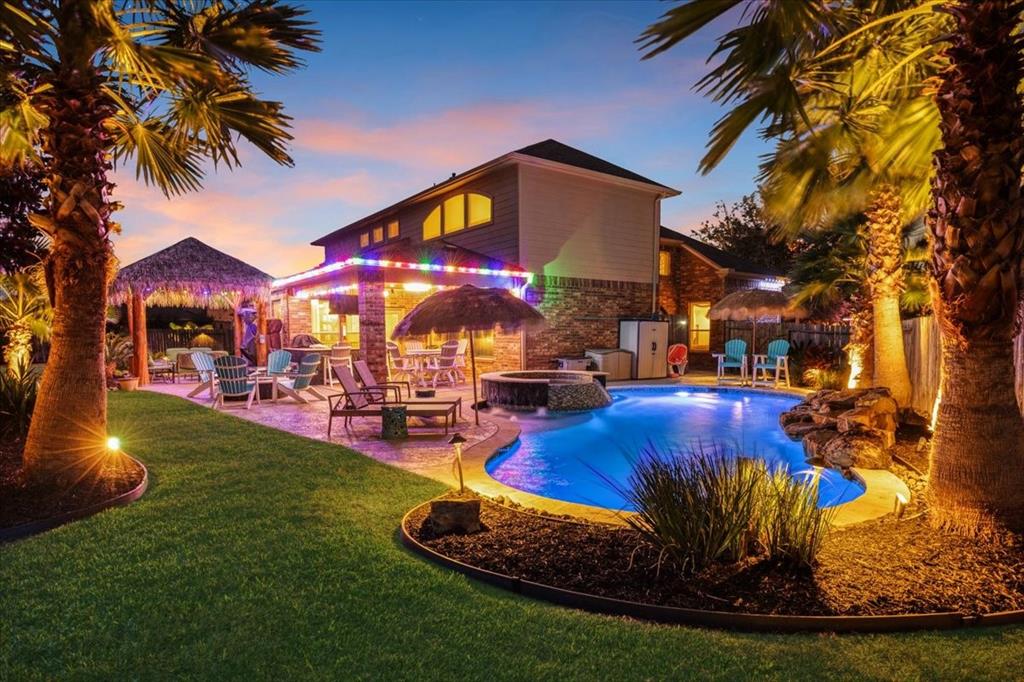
460	359
340	353
233	380
355	402
302	381
203	362
443	367
370	382
413	345
734	357
774	361
399	366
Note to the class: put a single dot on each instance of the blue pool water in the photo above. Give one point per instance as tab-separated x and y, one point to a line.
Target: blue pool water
565	457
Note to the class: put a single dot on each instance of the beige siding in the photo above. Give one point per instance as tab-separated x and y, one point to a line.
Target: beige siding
498	239
573	226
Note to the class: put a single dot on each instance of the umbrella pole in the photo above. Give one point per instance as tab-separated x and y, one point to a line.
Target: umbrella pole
472	361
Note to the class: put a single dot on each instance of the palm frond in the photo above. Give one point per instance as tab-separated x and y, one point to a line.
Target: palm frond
160	158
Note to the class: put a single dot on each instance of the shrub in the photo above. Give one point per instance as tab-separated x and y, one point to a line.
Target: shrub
118	350
18	389
707	505
820	377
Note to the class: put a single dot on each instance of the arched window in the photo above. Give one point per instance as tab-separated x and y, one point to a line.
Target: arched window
457	213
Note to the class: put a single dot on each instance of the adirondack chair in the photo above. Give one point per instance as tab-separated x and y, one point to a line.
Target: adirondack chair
370	382
279	363
734	357
355	402
302	380
203	362
233	380
774	361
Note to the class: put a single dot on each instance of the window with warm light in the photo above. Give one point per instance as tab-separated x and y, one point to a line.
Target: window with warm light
457	213
700	327
432	225
378	234
393	229
454	213
364	240
664	263
325	325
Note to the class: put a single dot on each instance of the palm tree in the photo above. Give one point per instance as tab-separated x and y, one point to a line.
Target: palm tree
976	481
160	82
24	315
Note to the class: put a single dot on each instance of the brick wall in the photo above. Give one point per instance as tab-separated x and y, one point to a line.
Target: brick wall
580	314
692	280
296	314
372	338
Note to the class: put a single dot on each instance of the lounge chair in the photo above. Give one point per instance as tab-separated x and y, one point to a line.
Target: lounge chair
279	363
775	360
233	380
734	357
302	380
353	402
370	382
203	362
443	367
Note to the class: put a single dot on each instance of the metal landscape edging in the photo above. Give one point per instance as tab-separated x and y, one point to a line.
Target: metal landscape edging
31	528
754	622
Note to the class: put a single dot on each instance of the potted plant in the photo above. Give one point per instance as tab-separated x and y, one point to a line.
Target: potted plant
118	350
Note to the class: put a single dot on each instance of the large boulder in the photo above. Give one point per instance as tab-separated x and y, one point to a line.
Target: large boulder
814	441
848	450
798	430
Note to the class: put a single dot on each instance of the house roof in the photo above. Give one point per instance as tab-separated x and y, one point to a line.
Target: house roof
547	150
718	257
437	252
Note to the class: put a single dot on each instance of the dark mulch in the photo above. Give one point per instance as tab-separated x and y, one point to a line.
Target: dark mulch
23	503
881	567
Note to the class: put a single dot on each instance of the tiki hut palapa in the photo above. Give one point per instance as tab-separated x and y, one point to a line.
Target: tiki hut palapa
189	273
468	309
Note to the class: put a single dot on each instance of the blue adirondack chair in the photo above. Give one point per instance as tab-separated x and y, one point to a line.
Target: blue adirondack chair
774	361
233	380
278	363
203	362
301	381
734	357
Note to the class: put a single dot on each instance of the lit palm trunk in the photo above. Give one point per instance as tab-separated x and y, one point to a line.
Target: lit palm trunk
976	483
860	351
885	281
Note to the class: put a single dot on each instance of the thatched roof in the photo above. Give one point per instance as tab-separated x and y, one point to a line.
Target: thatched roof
748	304
467	308
191	273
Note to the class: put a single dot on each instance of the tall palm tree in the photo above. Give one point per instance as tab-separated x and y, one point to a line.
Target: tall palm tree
24	314
976	482
159	82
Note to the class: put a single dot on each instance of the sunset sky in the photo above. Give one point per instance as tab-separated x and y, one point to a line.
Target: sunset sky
405	94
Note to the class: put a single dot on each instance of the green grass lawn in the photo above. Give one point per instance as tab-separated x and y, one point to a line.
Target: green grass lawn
260	555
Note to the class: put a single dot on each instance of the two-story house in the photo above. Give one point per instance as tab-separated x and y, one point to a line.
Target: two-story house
575	235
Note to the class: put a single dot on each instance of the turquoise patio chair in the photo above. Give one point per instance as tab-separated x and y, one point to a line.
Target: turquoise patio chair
233	380
203	363
302	380
734	357
279	362
774	361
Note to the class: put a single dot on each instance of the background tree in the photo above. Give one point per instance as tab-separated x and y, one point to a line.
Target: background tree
161	83
21	194
24	314
743	229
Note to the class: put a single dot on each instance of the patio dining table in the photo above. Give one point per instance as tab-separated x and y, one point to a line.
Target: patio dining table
422	356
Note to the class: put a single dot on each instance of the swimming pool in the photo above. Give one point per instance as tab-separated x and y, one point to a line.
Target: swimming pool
565	457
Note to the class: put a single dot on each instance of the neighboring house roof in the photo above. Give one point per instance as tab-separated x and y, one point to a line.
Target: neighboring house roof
548	150
716	256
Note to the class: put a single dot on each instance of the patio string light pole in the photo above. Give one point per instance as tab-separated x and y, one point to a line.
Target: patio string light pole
468	309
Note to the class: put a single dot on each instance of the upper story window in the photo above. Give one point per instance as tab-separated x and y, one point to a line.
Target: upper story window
364	240
664	263
393	229
457	213
378	234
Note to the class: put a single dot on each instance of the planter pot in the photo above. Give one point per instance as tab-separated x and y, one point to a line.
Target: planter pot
128	384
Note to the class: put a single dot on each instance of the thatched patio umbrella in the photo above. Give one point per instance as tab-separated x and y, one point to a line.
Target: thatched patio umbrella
753	304
468	309
188	273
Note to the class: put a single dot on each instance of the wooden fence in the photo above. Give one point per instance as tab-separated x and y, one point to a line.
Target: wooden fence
834	337
162	339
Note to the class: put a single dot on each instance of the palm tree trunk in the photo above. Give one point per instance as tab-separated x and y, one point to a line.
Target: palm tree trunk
885	282
66	440
976	484
860	350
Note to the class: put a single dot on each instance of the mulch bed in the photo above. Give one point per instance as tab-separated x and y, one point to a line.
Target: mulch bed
879	567
23	503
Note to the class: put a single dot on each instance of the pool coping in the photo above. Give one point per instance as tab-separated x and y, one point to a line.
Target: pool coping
880	496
